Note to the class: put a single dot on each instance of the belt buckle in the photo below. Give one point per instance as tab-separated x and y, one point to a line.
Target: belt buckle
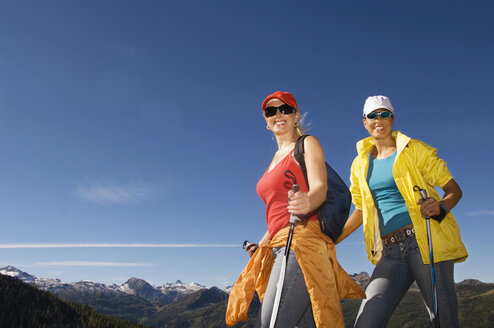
400	236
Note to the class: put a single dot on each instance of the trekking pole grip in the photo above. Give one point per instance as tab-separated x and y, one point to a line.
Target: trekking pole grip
295	218
423	192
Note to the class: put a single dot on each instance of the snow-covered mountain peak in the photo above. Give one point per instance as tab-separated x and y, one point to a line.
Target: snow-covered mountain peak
180	287
16	273
228	289
134	286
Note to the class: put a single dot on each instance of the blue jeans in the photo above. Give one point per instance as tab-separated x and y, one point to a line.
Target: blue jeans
295	309
401	265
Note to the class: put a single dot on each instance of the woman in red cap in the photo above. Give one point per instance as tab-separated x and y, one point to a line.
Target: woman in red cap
314	281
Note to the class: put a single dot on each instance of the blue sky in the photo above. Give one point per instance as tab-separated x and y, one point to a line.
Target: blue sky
131	122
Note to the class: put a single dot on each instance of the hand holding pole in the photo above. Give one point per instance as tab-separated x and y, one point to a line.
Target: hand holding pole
279	287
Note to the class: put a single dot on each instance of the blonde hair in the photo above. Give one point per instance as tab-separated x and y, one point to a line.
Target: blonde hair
301	127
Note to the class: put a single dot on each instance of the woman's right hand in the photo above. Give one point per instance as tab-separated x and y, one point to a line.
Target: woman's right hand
354	221
250	248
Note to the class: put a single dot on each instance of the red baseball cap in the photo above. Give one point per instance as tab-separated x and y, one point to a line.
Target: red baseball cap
286	97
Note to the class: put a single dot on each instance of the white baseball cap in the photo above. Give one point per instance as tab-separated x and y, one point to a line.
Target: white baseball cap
375	102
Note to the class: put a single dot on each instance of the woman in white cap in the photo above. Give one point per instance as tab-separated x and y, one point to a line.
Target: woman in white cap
314	281
388	166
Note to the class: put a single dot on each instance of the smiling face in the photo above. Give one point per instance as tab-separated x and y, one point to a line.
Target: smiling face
281	123
379	128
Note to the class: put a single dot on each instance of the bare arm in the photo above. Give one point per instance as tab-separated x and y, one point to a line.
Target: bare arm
251	247
354	221
264	239
303	203
452	194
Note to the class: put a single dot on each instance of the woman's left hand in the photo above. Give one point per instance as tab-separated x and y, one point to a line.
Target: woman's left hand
429	207
298	203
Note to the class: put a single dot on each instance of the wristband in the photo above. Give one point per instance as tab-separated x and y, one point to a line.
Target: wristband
442	214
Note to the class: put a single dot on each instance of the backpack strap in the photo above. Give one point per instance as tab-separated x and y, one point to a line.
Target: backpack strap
298	153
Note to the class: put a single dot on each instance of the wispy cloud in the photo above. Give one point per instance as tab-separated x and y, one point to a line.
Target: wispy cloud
116	245
114	193
92	263
482	213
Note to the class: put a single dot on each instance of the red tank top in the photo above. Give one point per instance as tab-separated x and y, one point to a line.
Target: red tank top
273	189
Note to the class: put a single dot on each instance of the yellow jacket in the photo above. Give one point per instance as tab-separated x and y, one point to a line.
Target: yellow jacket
326	280
416	164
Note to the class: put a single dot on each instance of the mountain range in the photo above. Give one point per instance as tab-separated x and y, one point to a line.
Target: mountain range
192	305
23	305
164	294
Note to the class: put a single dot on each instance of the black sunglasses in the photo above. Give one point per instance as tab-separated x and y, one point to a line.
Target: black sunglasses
284	109
373	116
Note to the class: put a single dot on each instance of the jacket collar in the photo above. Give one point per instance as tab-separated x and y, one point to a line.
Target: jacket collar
364	146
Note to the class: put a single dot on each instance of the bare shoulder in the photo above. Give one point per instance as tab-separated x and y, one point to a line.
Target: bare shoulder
313	147
311	144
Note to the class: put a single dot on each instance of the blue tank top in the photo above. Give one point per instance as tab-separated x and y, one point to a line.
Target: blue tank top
393	213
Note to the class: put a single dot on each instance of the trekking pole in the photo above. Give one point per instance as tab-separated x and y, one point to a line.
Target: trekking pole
252	245
279	287
435	319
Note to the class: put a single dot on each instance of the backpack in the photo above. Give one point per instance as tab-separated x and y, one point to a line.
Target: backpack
333	213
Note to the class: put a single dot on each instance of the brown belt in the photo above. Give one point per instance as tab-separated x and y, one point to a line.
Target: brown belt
398	236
